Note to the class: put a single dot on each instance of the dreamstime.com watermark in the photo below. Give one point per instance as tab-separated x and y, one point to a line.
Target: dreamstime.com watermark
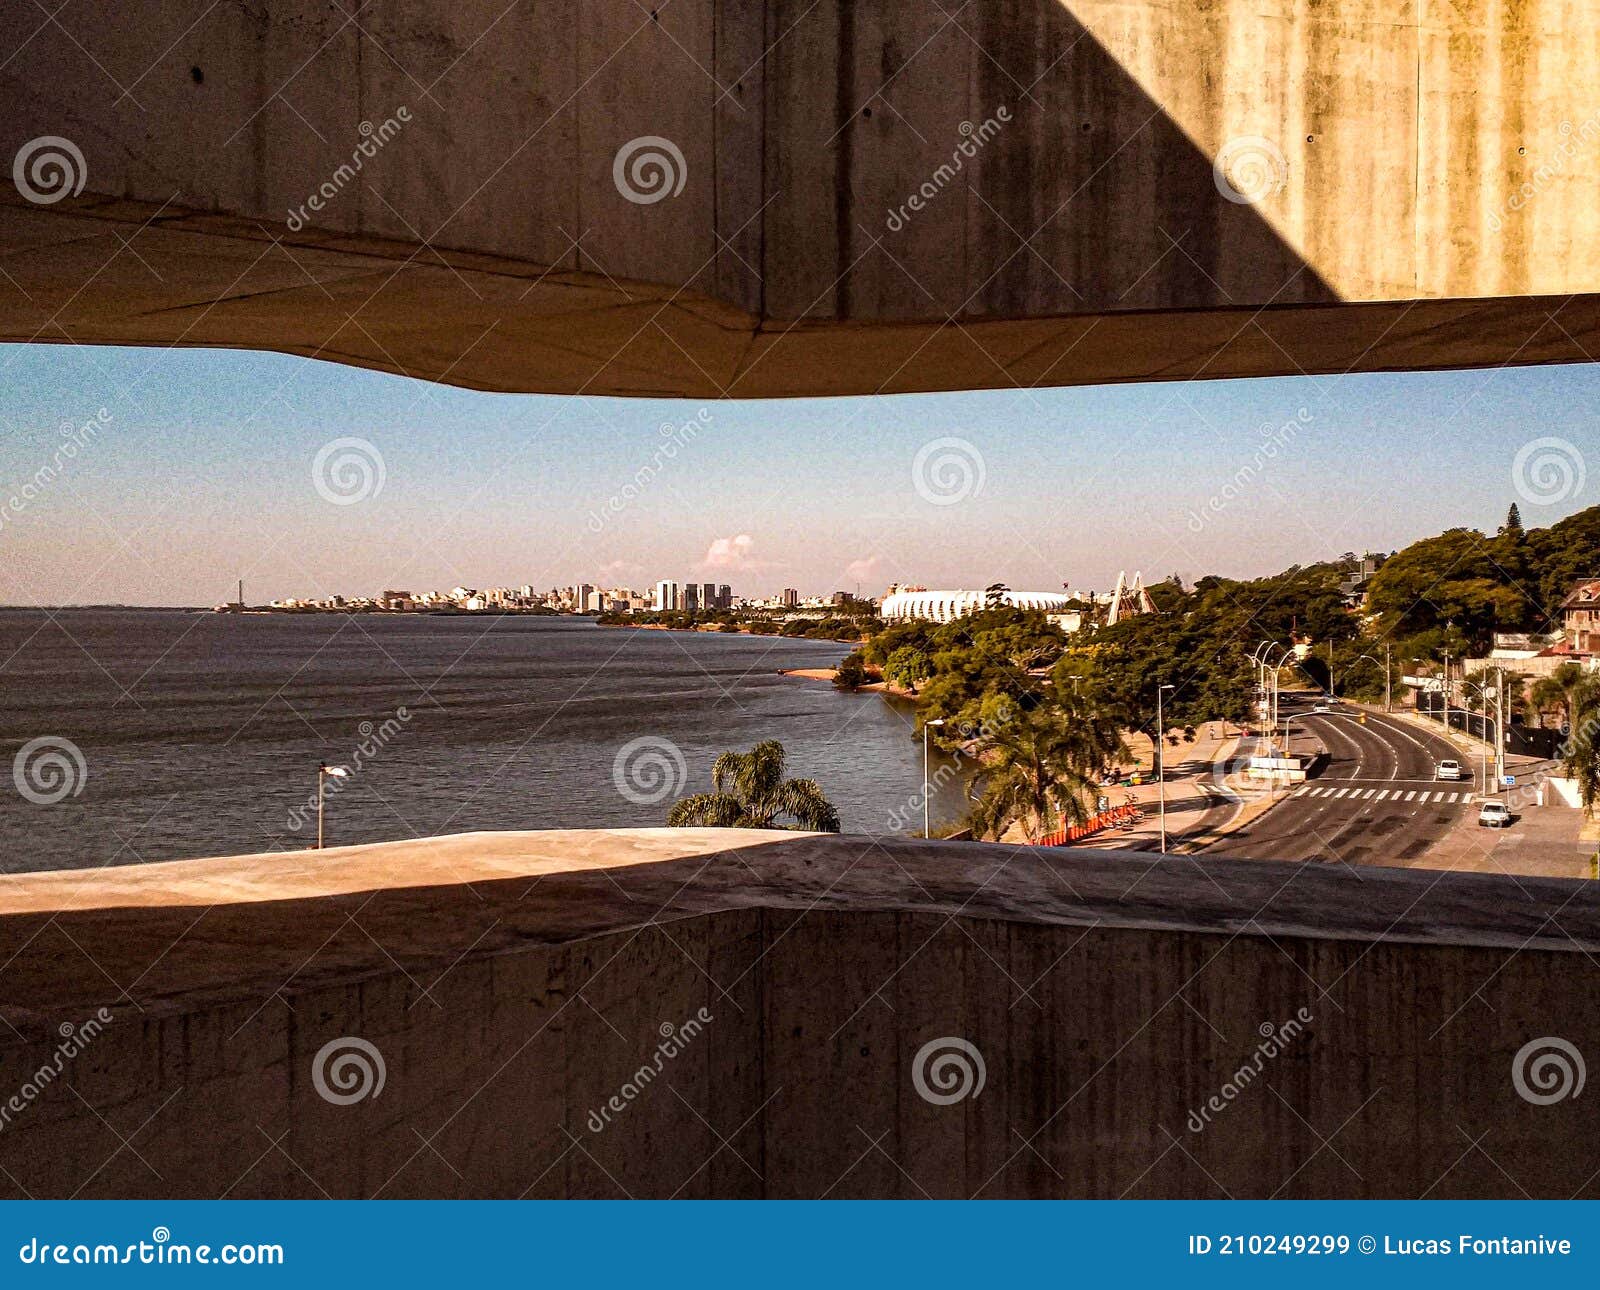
948	1070
649	169
649	769
1548	1070
49	769
672	438
49	168
1548	471
348	1070
373	140
674	1039
348	471
948	471
1275	441
1575	140
973	139
373	740
1250	168
1274	1040
75	438
74	1039
160	1250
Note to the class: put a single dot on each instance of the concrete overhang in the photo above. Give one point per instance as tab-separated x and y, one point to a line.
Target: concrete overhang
848	198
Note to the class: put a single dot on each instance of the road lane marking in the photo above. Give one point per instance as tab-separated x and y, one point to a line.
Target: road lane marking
1411	794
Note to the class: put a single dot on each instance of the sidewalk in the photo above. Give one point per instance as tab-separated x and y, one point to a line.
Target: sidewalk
1550	841
1543	842
1198	792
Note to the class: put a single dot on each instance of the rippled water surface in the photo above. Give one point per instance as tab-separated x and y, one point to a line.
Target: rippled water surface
200	733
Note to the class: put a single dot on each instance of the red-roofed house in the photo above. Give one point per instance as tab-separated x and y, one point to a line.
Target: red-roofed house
1580	617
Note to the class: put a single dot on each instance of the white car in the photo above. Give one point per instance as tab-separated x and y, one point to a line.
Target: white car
1494	815
1449	769
1321	707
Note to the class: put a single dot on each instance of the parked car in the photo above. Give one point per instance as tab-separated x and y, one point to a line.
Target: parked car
1494	815
1449	769
1321	707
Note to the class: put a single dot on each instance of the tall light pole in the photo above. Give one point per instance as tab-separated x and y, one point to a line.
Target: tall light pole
927	827
1388	678
1374	663
1500	729
1269	698
323	772
1161	763
1447	694
1483	744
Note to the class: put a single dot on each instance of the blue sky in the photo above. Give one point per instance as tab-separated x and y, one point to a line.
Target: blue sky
203	473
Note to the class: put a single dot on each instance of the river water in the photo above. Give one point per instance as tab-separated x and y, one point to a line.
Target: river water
169	734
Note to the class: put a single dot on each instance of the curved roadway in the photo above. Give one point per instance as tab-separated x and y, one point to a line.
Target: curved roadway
1373	801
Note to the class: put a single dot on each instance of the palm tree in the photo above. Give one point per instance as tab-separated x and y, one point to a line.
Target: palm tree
1581	756
1557	691
750	792
1041	767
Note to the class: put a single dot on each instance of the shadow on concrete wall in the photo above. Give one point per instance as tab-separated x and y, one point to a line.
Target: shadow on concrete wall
1091	198
815	1016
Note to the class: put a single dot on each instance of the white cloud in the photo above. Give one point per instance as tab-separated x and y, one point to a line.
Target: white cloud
733	554
865	570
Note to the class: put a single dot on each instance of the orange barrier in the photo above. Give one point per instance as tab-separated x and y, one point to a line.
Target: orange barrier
1094	824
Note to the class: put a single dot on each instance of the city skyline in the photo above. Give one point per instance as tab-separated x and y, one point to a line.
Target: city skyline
191	469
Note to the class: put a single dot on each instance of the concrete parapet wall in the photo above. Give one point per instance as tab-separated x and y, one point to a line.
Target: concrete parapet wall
1109	1000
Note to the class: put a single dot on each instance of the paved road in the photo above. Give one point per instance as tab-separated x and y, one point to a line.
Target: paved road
1373	801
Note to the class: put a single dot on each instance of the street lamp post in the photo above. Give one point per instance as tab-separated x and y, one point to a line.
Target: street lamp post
323	772
1500	729
1483	744
1269	697
1259	659
1374	663
1161	763
927	828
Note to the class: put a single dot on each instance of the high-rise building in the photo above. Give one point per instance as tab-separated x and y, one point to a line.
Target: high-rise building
584	597
791	597
691	597
724	597
666	595
708	595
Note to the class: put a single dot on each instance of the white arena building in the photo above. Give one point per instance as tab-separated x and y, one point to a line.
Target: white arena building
947	606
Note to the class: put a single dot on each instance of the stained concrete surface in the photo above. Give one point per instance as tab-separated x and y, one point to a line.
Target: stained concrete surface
514	983
1426	202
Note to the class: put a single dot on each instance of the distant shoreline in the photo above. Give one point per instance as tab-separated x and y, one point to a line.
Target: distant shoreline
715	629
828	673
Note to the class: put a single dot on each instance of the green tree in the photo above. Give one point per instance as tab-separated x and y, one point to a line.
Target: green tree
1457	579
1581	756
852	673
908	667
1559	690
749	791
1562	554
1038	768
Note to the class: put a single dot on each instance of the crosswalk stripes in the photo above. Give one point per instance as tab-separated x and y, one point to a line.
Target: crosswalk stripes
1438	797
